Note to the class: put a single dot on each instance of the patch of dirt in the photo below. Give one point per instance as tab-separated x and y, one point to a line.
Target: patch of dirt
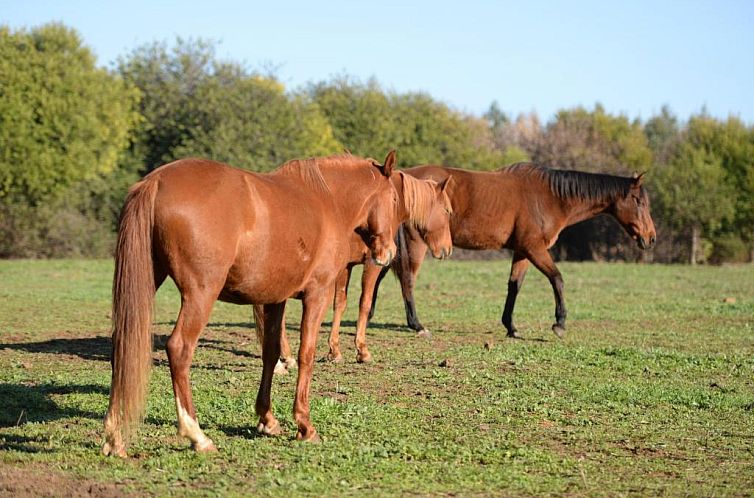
36	482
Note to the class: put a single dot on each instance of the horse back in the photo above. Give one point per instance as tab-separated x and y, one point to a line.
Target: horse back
485	204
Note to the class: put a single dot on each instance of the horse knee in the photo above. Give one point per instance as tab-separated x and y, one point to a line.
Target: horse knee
174	347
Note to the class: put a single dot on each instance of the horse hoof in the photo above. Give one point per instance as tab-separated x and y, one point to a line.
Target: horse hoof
273	429
205	447
113	450
424	333
290	363
311	437
281	368
364	357
513	334
334	358
559	330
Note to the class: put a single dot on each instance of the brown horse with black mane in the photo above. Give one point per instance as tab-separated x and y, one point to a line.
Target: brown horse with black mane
423	205
224	233
524	207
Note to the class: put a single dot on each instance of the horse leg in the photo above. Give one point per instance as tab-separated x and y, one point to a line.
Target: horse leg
412	251
314	309
383	272
544	263
192	319
273	321
286	360
518	271
368	282
339	306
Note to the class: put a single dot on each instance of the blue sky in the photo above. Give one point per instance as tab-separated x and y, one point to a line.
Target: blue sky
632	56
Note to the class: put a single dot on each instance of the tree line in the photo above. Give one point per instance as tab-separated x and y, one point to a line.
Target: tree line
74	136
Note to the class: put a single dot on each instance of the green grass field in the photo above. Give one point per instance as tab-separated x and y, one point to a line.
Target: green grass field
650	393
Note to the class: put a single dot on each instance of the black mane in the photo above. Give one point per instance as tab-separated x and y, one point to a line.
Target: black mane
570	184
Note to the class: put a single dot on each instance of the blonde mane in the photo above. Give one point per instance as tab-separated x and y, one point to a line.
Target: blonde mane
310	173
419	199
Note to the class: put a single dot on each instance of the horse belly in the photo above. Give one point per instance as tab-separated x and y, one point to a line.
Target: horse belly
481	235
270	268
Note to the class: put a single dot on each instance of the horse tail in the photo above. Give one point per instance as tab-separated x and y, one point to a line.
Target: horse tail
259	323
133	299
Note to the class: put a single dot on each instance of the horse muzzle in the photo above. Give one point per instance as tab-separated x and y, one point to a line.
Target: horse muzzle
646	243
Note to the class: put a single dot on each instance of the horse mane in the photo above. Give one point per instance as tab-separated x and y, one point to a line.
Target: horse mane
310	173
571	184
419	199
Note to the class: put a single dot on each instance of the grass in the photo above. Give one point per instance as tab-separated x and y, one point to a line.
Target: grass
650	393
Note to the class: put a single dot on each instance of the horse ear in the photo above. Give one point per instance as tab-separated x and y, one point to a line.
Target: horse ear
444	184
347	152
639	178
389	164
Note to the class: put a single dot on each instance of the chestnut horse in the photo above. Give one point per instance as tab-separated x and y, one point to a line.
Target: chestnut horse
524	207
224	233
423	205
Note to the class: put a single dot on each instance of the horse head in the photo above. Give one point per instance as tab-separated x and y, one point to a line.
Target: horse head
435	231
380	233
632	212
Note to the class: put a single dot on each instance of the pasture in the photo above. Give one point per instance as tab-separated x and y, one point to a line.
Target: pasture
651	392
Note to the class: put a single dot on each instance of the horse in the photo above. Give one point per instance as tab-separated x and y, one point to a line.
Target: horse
423	205
245	238
523	207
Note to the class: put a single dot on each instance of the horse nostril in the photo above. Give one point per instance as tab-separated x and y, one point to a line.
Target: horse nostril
652	240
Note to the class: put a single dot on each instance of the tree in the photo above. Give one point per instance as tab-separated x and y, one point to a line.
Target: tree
662	132
732	143
593	141
693	191
62	119
194	104
370	121
509	138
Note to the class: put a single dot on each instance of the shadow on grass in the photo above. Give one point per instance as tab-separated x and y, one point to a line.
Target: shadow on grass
98	348
247	432
34	403
88	348
24	444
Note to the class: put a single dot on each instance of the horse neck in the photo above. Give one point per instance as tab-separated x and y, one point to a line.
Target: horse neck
579	209
401	212
350	192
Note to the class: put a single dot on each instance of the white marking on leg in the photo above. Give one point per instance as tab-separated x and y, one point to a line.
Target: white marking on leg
188	427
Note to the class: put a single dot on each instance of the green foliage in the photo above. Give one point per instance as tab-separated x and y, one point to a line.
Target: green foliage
62	120
732	143
706	183
195	105
514	154
74	136
662	133
370	121
594	141
693	191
